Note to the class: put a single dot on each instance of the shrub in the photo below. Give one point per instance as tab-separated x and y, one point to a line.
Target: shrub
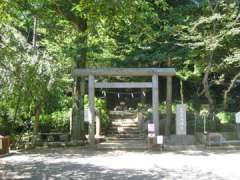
225	117
103	112
55	122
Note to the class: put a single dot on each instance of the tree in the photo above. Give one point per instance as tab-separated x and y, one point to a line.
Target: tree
27	76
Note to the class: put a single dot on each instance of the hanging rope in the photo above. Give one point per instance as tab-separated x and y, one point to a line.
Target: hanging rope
132	94
122	92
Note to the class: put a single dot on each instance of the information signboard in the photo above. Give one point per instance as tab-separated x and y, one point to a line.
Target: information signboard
151	130
237	116
159	139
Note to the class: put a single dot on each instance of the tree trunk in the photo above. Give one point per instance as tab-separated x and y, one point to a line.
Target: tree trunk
36	120
17	107
80	25
225	98
37	113
168	106
181	91
206	87
168	102
79	91
38	106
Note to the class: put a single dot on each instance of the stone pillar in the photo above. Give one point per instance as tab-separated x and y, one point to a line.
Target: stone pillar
181	121
168	106
91	111
155	103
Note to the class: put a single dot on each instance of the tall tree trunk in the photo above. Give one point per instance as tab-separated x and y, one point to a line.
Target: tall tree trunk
181	91
213	8
77	129
38	106
17	107
37	114
225	98
168	102
206	87
80	25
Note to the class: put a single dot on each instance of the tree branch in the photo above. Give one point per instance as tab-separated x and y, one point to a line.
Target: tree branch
225	105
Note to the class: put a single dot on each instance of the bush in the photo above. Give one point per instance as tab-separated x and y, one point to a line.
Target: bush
55	122
103	112
225	117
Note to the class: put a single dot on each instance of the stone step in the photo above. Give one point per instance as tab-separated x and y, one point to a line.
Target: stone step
124	132
123	118
131	133
125	123
125	139
231	142
123	145
127	130
124	128
126	135
122	113
122	124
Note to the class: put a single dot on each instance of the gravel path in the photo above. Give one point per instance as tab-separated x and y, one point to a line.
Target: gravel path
76	163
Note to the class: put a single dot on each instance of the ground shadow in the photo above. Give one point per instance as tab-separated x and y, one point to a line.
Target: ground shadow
38	168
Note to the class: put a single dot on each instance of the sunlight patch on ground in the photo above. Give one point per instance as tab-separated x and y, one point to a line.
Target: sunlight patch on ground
102	165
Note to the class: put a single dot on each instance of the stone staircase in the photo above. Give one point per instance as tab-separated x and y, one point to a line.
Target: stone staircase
124	134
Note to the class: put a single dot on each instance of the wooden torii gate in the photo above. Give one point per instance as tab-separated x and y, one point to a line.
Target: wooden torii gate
154	72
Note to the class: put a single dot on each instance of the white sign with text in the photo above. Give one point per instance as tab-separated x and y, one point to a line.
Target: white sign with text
237	116
159	139
151	130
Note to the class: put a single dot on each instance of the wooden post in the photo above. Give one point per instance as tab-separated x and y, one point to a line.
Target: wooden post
168	106
98	125
91	110
155	101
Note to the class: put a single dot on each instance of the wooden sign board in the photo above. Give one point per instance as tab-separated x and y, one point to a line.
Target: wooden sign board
151	127
159	139
151	130
237	116
151	135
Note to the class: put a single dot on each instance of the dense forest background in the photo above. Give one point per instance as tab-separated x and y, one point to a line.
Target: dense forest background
41	41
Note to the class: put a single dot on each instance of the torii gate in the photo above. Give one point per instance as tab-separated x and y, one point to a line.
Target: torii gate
154	72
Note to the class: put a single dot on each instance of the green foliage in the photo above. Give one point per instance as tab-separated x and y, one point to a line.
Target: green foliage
226	117
101	107
111	33
57	121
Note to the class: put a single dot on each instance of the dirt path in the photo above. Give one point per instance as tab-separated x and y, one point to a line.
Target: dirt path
73	163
